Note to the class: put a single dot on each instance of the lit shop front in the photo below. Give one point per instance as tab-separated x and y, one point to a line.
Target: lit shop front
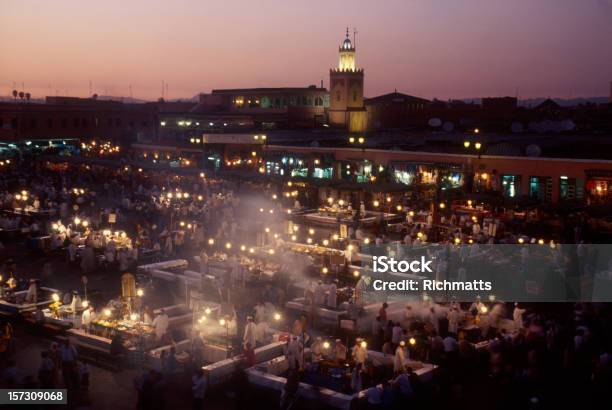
297	166
598	185
448	176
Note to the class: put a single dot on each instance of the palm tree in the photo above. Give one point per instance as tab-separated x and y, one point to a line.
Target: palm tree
15	94
21	95
27	96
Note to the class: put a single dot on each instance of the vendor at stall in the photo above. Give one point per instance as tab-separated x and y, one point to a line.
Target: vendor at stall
340	351
359	354
316	350
87	317
32	294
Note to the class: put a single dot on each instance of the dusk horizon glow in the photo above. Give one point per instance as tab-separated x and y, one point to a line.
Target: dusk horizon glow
432	49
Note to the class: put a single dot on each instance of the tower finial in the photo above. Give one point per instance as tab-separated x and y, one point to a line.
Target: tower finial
347	32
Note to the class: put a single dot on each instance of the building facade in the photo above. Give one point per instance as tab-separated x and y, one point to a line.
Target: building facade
82	118
346	105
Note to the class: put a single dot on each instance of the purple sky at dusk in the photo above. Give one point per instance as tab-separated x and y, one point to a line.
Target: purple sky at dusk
428	48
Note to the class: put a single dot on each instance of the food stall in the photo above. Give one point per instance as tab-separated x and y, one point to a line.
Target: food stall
15	303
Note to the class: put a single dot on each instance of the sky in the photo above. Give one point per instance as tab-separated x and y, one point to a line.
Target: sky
429	48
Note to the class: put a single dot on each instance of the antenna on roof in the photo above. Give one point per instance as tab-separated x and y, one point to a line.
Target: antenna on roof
90	88
321	83
130	90
354	37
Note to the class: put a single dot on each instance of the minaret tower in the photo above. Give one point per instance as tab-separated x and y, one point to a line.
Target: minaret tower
346	109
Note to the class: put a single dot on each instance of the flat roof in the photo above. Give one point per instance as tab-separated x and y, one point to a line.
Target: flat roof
264	90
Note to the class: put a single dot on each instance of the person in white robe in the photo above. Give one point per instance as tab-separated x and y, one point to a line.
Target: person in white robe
399	361
260	333
453	317
75	304
260	312
32	294
316	350
360	289
160	323
87	317
517	316
340	351
360	353
250	333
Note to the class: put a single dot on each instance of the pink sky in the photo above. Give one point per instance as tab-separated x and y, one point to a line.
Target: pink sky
429	48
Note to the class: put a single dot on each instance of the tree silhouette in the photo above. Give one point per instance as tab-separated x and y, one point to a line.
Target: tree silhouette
15	93
28	96
21	95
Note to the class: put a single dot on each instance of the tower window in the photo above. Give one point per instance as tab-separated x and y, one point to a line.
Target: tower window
338	98
354	95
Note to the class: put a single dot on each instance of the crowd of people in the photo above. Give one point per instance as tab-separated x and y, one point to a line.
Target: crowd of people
100	219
